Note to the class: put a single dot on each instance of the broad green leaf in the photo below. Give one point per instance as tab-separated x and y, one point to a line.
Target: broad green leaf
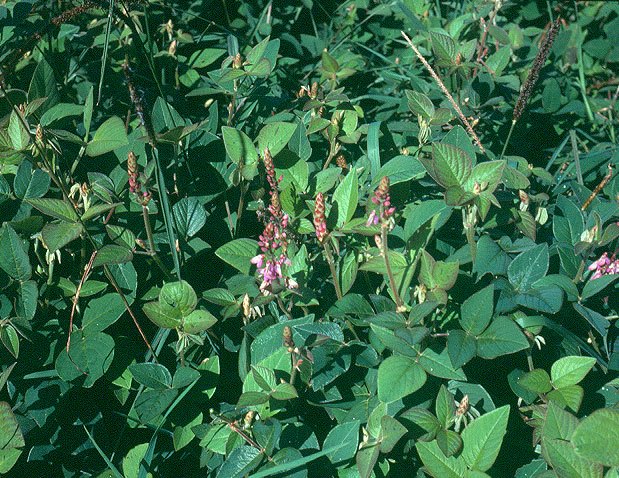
449	166
391	431
569	396
102	312
570	370
29	182
57	235
131	461
345	199
203	58
110	136
11	438
26	305
346	433
90	356
162	316
439	365
529	267
461	347
239	147
10	339
59	111
150	405
43	85
487	175
98	209
179	296
558	423
399	169
537	381
502	337
112	254
238	253
483	438
275	136
189	216
420	104
56	208
366	458
596	438
13	257
151	375
240	462
444	48
437	464
399	376
567	463
476	311
284	391
198	321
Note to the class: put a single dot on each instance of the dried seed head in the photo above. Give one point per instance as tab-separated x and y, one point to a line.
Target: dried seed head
383	187
132	164
314	90
463	407
287	336
340	160
246	306
237	62
538	63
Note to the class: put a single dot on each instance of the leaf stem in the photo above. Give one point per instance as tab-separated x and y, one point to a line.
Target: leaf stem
384	249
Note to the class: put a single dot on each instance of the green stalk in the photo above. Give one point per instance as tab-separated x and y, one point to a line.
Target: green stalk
384	252
509	135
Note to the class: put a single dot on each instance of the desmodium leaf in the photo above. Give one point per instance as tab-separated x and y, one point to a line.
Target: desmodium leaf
529	267
399	376
570	370
238	253
596	438
345	199
109	136
483	437
13	257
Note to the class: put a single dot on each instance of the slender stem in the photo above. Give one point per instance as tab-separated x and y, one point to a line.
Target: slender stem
384	251
148	228
509	135
331	262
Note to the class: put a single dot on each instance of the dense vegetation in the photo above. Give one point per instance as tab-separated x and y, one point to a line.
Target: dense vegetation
309	238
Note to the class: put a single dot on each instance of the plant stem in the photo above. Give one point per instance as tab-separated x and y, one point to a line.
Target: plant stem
509	135
384	251
331	262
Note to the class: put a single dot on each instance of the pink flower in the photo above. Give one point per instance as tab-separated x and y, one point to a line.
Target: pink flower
604	266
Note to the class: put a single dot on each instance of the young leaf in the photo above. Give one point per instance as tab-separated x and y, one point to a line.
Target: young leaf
570	370
109	136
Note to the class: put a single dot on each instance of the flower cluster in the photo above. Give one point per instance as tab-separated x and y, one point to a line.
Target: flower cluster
604	266
383	211
319	218
273	240
135	182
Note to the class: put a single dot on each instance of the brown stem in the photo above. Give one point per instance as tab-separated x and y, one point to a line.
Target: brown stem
331	262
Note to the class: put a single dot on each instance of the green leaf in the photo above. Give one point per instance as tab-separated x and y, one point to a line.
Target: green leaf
57	235
151	375
11	438
489	172
240	462
529	267
179	296
13	257
596	438
43	85
284	391
26	305
570	370
98	209
502	337
346	434
449	167
219	296
150	405
568	396
366	458
558	423
346	198
110	136
112	254
275	136
30	183
391	431
59	111
399	376
420	104
566	463
132	460
162	316
537	381
483	438
203	58
444	48
102	312
437	464
238	146
10	339
89	356
439	365
189	216
476	311
238	253
399	169
329	64
54	207
461	347
198	321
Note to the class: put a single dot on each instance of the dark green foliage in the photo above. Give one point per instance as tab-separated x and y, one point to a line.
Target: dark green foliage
254	238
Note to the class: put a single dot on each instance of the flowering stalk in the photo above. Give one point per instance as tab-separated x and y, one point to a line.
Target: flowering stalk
273	240
530	82
604	266
320	225
383	214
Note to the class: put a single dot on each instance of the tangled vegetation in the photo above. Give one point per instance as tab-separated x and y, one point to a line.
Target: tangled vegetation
311	238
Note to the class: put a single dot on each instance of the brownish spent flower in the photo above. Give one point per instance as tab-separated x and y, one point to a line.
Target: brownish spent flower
340	160
319	218
287	336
